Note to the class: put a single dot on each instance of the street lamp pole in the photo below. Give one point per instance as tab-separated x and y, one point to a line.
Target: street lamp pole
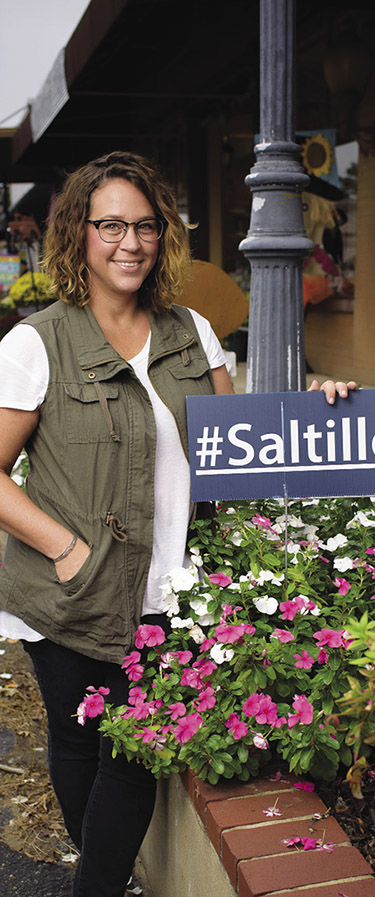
276	241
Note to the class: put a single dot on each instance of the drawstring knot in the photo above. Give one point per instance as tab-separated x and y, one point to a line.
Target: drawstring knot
117	528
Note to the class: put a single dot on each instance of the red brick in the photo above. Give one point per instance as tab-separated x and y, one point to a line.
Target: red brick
203	793
248	810
267	839
269	874
364	887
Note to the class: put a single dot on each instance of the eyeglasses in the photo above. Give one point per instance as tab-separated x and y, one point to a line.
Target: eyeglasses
113	230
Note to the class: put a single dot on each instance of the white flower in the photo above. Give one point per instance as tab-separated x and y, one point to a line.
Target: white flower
336	542
197	634
266	604
170	604
310	531
315	612
177	623
195	557
269	576
236	538
234	587
291	520
220	654
360	518
200	608
343	564
181	579
248	578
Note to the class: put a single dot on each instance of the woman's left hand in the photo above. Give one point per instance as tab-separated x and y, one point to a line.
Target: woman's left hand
331	389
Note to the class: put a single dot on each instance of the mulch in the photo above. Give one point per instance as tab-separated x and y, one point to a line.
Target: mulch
31	825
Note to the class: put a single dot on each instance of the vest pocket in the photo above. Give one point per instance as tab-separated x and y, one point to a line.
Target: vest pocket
197	372
84	417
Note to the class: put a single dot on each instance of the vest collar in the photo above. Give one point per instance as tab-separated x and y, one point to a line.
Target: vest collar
100	361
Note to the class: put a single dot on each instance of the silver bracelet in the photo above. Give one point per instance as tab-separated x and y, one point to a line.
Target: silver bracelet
67	551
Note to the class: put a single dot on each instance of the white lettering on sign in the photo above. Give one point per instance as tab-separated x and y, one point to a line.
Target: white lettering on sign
319	448
209	446
241	444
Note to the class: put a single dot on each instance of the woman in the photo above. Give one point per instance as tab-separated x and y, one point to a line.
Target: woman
95	387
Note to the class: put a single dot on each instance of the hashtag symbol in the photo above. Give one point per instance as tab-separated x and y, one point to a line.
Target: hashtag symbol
209	446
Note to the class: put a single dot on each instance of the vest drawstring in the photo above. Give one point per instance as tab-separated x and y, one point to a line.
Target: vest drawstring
106	412
117	529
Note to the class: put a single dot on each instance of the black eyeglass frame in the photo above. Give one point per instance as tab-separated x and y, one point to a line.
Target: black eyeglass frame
126	225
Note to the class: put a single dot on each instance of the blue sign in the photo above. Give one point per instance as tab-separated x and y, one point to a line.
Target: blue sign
281	444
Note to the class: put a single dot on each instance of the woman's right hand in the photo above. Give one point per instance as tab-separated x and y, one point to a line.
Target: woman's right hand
72	563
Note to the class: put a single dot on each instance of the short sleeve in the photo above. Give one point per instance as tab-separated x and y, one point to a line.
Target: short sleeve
24	369
209	340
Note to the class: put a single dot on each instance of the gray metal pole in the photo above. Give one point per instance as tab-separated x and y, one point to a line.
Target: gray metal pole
276	241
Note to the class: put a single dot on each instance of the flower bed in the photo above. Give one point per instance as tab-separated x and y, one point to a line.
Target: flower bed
271	651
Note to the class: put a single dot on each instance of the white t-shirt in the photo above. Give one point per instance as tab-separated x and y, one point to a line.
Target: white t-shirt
24	378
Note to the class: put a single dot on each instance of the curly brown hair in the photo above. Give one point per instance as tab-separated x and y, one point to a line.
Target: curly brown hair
64	255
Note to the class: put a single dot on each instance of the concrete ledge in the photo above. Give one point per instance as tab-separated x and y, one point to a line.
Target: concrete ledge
217	840
177	854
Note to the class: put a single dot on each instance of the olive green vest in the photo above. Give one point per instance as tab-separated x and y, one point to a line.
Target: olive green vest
92	459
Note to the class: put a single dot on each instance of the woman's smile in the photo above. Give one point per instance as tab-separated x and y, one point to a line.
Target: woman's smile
119	268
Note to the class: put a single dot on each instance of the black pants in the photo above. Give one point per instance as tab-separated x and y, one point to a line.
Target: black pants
107	803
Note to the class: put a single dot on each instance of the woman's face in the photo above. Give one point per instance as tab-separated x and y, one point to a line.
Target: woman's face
119	269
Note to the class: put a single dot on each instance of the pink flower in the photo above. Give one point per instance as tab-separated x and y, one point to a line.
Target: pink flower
187	727
283	635
304	661
149	635
176	710
135	672
92	704
305	786
370	551
323	656
220	579
251	705
191	678
309	843
236	727
228	634
204	667
262	522
342	584
206	699
262	707
136	694
329	846
102	690
291	842
331	637
260	742
267	711
183	657
128	661
304	711
291	608
272	811
152	737
207	644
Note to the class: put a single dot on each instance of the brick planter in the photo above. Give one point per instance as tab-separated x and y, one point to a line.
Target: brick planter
250	844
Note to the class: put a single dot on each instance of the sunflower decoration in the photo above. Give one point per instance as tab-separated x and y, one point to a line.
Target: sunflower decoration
317	155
